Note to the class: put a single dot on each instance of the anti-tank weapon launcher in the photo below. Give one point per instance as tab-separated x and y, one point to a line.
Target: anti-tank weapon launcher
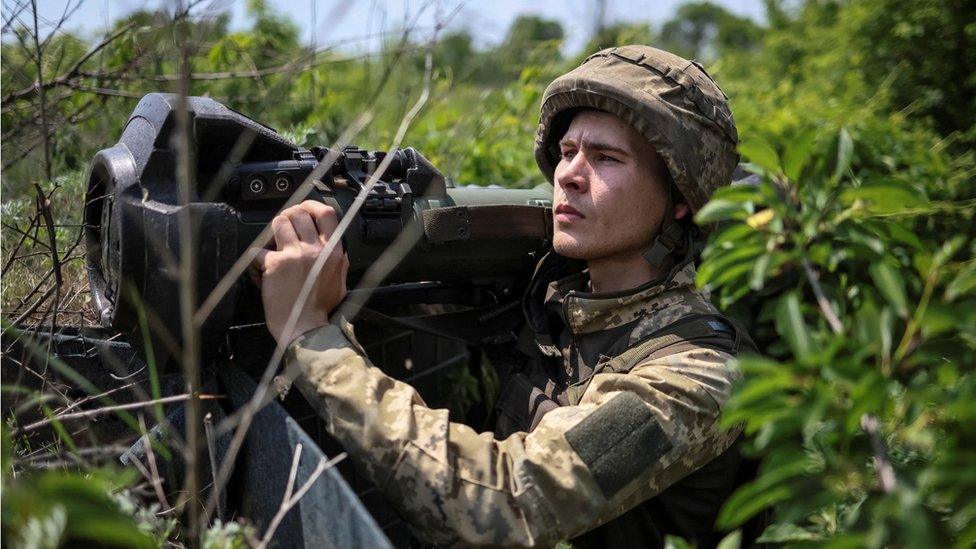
459	245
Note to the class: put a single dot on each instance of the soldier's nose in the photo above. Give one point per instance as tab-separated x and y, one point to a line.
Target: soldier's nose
574	176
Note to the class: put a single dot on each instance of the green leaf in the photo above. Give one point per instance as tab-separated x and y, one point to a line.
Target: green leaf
940	318
738	193
797	154
791	326
864	238
891	285
845	150
885	328
760	153
722	210
759	270
731	541
765	390
749	500
735	234
674	542
785	533
901	234
886	195
948	249
963	283
719	264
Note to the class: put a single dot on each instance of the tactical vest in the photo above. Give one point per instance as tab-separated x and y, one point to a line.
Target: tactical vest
686	509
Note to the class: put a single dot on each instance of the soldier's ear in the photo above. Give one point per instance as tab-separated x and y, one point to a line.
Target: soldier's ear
681	210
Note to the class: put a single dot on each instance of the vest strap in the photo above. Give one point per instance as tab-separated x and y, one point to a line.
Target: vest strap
689	331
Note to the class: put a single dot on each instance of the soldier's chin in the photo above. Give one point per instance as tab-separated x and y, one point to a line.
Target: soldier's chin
569	247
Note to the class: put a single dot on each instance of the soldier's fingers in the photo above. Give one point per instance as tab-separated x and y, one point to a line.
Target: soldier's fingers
326	219
303	224
284	231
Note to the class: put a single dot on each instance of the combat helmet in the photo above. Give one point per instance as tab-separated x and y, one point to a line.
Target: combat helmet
669	100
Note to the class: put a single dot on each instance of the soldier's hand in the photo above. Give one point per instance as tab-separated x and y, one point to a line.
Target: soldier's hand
300	236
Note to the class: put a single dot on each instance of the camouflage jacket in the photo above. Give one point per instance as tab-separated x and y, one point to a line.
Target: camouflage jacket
626	436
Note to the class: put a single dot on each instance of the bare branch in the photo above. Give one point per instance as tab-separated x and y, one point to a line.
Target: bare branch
153	474
825	307
38	60
88	414
882	465
13	253
104	91
16	11
33	308
288	500
69	75
208	428
44	210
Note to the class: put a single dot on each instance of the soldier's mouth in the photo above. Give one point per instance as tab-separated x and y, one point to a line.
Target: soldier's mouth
566	213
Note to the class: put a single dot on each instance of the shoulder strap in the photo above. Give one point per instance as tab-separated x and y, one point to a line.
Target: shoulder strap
693	331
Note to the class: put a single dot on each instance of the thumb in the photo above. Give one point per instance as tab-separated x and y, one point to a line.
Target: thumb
256	268
260	261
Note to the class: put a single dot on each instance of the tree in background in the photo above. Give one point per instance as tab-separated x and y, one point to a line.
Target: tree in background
617	34
705	31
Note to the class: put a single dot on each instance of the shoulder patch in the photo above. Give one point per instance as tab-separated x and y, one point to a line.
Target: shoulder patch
618	442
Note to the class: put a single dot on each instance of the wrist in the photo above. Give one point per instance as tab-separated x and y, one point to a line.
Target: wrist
302	327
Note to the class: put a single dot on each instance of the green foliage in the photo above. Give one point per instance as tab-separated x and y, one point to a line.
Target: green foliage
850	240
865	212
704	31
55	508
229	535
617	34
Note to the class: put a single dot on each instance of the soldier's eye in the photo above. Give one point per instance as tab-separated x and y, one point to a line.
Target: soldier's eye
567	154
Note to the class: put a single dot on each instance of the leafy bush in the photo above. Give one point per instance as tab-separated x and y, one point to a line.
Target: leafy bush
852	262
865	307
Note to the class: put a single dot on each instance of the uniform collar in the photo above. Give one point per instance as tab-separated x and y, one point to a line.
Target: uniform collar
585	312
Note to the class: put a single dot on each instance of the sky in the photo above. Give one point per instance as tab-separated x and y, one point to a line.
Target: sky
356	23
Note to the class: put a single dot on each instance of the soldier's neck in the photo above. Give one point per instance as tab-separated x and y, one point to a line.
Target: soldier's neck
617	273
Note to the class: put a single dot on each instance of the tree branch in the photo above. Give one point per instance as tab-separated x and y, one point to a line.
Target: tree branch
88	414
825	307
70	74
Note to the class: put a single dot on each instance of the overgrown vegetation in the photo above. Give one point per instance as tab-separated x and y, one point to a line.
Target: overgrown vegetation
851	263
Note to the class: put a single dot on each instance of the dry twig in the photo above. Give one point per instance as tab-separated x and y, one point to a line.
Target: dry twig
289	500
88	414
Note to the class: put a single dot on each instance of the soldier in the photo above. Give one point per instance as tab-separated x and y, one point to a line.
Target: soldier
608	431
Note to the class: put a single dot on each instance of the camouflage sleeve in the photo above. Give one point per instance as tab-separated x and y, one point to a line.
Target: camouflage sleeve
631	436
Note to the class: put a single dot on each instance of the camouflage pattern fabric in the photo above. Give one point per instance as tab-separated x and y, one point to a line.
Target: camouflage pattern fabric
457	486
654	307
671	101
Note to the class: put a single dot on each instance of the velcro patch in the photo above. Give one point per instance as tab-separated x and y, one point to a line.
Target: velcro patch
618	442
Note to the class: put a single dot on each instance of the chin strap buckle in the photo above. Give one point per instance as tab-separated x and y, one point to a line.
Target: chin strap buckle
671	239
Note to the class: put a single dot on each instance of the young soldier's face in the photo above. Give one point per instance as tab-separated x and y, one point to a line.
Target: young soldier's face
610	192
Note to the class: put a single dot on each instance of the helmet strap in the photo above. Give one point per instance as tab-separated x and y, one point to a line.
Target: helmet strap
668	241
670	236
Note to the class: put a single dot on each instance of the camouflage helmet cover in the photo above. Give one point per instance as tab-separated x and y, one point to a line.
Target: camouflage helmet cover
671	101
